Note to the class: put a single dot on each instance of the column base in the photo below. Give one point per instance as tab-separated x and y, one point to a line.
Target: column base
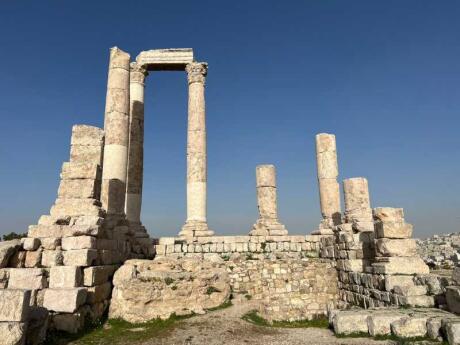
268	227
195	229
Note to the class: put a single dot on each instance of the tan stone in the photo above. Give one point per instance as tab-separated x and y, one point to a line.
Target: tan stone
380	324
391	281
30	243
79	242
33	259
64	300
14	304
50	243
99	293
87	135
395	247
401	265
27	278
356	193
80	257
73	208
45	231
409	327
65	277
79	188
52	258
13	333
388	214
351	322
97	275
393	230
86	153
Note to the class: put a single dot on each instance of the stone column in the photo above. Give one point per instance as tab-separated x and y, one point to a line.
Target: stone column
196	223
268	223
357	204
136	144
329	190
116	125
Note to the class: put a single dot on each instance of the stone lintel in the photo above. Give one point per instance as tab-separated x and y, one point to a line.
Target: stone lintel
172	59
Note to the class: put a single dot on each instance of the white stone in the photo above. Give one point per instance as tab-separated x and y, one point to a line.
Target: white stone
348	322
14	305
27	278
29	243
13	333
409	327
65	277
80	257
64	300
78	242
380	323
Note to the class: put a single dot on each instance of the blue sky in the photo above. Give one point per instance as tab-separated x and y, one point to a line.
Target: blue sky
384	76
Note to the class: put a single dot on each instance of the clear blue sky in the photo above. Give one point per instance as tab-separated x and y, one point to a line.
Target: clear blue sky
384	76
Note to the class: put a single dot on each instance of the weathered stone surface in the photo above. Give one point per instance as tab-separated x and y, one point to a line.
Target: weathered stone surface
97	275
50	243
70	323
159	59
380	323
401	265
452	330
351	322
79	242
45	231
80	257
99	293
14	305
74	207
391	281
82	170
13	333
165	286
7	250
30	243
87	135
79	188
64	300
388	214
410	327
395	247
453	298
27	278
52	258
393	230
65	277
33	259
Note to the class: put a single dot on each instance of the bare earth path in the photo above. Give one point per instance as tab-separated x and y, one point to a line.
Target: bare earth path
226	327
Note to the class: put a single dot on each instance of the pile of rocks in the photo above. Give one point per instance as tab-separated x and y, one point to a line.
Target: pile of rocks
402	323
148	289
440	251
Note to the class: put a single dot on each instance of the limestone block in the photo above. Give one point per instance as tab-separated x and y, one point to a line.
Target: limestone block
98	293
124	273
52	258
167	240
388	214
50	243
79	242
70	323
83	170
165	58
33	259
452	330
266	175
393	230
98	275
81	230
75	207
409	327
407	290
80	257
29	243
27	278
80	188
351	322
65	277
14	305
356	193
395	247
380	323
456	275
453	298
7	250
64	300
87	221
391	281
45	231
400	265
86	153
87	135
13	333
417	301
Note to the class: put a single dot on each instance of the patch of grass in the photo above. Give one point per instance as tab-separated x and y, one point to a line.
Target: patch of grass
211	289
116	331
225	257
222	306
174	288
169	280
248	297
353	335
253	317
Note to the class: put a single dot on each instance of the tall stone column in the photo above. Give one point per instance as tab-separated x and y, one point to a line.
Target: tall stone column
196	223
268	223
136	144
357	204
116	126
329	189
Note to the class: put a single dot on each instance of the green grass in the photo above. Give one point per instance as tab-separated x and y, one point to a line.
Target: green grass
222	306
256	319
211	289
116	331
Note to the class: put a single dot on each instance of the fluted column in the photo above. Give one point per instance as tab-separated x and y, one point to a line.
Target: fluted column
196	223
136	144
267	223
116	125
329	190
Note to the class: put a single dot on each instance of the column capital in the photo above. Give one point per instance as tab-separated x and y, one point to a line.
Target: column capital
137	73
196	72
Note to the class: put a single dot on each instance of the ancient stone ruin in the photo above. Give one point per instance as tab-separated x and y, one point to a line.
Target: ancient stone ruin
91	255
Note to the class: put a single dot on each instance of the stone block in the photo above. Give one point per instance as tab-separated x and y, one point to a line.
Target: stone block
7	250
409	327
70	323
52	258
82	153
99	293
167	240
87	221
50	243
417	301
407	290
393	230
75	207
388	214
380	323
83	170
13	333
80	257
400	265
27	278
45	231
456	275
14	305
453	298
64	300
452	331
87	135
351	322
395	247
65	277
98	275
79	242
81	188
81	230
30	243
33	259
